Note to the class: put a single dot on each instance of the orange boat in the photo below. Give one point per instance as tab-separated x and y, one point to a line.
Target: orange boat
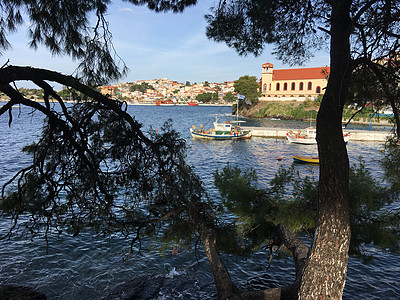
193	103
167	102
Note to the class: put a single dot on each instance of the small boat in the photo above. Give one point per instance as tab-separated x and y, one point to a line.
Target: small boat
307	136
221	131
193	103
306	159
168	102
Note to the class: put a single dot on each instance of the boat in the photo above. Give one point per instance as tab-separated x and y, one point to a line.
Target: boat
308	136
306	159
193	103
229	130
167	102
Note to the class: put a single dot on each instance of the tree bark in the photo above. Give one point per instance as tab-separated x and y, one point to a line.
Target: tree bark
325	272
225	287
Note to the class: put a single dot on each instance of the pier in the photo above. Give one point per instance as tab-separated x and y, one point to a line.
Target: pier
356	135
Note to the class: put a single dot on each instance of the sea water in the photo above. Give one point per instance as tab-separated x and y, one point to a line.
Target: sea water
90	268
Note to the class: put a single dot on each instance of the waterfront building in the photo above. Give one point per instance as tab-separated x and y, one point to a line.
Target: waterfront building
301	82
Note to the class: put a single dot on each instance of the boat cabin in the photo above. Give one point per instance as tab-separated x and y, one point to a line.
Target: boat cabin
222	126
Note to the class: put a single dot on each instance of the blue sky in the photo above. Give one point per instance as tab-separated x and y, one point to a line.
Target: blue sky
163	45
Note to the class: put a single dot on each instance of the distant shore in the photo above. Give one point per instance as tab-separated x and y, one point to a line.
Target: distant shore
183	104
143	103
284	111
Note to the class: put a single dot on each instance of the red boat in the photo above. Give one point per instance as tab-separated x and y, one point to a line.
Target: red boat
193	103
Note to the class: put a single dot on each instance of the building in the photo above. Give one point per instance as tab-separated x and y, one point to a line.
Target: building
302	82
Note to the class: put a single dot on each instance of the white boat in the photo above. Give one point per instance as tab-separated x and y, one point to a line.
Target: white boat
229	130
308	136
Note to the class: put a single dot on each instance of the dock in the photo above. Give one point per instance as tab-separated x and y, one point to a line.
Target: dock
356	135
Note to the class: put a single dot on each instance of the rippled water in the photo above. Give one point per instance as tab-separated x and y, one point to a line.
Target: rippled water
88	268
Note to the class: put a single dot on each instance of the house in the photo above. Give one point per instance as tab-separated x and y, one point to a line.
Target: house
301	82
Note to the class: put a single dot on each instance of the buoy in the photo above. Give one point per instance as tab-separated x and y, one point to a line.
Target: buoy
279	158
157	130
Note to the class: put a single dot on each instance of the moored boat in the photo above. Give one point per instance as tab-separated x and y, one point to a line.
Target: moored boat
308	136
193	103
221	131
307	159
167	102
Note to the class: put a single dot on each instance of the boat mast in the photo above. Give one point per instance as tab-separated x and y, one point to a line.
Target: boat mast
237	111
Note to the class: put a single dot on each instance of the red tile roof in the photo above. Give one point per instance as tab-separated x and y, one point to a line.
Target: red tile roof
267	65
303	73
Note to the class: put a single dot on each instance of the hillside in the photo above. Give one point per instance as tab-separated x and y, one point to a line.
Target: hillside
293	110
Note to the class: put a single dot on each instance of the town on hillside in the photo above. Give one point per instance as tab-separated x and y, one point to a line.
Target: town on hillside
281	85
165	90
273	85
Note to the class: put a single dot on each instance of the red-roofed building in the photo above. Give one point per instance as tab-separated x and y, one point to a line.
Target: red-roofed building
309	82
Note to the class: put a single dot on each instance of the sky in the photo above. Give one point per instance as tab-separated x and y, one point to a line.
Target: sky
163	45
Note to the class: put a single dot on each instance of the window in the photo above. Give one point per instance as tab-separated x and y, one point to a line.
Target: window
278	86
293	86
318	90
265	87
309	86
285	86
269	86
301	86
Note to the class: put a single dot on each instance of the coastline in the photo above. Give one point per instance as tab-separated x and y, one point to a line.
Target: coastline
254	112
140	103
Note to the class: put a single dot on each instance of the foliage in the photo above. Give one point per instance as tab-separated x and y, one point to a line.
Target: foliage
318	99
71	94
259	210
143	87
164	6
68	28
373	221
65	94
62	27
94	167
229	97
287	111
391	165
382	91
248	87
304	111
248	25
207	97
359	33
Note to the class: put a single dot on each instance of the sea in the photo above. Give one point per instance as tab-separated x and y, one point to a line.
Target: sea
87	267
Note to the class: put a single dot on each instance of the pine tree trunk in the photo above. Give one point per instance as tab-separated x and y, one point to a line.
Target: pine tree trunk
396	116
325	272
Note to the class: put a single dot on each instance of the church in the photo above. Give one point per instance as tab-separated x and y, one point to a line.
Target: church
301	82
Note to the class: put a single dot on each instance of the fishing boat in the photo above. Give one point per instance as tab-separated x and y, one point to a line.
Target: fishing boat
306	159
308	136
229	130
